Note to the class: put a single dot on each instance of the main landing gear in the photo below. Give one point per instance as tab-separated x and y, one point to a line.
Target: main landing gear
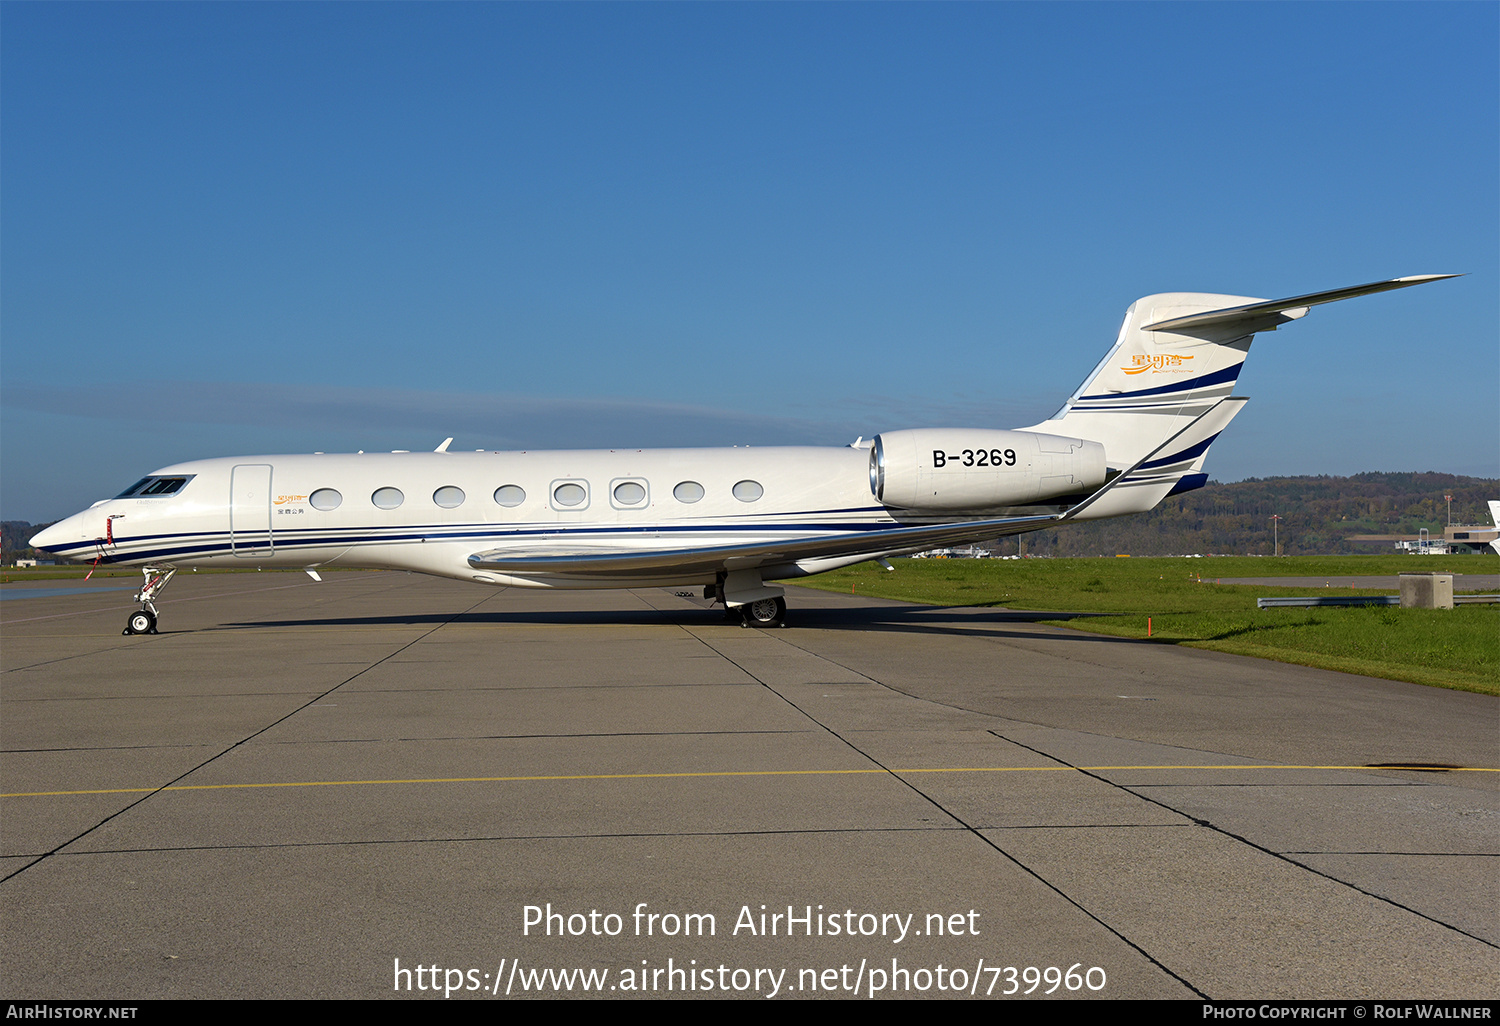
143	620
768	612
753	605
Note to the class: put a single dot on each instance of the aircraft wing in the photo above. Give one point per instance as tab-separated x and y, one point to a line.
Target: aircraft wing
581	562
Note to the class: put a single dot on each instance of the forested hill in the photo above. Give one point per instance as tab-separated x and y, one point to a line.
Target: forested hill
1318	515
15	540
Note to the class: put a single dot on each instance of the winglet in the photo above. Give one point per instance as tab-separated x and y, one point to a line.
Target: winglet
444	447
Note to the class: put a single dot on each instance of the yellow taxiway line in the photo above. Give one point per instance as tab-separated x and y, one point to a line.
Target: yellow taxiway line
735	773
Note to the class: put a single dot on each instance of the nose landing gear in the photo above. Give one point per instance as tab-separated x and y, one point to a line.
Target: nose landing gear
143	620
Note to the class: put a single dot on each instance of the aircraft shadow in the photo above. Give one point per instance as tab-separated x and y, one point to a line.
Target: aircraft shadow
953	621
947	621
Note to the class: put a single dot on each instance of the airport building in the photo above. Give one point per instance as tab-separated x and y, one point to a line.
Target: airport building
1456	539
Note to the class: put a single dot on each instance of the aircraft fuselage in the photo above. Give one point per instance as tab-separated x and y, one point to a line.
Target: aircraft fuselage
429	511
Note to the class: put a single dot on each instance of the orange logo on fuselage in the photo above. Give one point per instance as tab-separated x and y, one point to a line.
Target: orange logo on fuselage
282	500
1162	362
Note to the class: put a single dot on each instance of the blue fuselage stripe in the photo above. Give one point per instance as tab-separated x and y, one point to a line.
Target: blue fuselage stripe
177	545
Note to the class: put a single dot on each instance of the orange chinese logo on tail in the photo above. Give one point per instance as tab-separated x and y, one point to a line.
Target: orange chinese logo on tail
1169	362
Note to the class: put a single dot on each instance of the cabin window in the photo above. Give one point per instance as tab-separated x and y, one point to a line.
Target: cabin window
325	499
449	496
569	494
510	495
688	491
629	493
387	498
748	491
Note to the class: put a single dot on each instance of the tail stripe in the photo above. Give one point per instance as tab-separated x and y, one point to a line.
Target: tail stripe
1186	454
1218	377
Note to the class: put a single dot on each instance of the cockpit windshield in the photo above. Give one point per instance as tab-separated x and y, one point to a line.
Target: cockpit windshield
155	487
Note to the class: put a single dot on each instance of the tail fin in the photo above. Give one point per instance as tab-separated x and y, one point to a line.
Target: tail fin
1177	356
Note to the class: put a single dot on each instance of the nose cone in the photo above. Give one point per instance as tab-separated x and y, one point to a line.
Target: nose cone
60	536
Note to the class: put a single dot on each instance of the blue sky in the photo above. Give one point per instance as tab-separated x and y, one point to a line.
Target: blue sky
250	228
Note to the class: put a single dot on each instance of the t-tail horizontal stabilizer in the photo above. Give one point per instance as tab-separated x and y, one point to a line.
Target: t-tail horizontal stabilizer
1267	314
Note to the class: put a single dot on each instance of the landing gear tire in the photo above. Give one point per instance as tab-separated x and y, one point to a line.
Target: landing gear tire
143	621
769	612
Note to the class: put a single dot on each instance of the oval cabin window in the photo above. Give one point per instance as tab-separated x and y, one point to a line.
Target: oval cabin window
629	493
748	491
569	494
510	495
449	496
387	498
688	491
325	499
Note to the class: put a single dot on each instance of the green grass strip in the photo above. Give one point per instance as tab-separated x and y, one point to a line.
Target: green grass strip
1458	648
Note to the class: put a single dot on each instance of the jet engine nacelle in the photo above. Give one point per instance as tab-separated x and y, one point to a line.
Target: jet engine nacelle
957	469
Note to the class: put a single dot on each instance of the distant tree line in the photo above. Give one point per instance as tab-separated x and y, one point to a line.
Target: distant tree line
1319	515
15	541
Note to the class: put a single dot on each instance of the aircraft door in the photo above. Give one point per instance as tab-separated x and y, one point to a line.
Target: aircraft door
250	510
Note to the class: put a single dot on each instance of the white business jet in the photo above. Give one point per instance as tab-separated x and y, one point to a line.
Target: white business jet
731	520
